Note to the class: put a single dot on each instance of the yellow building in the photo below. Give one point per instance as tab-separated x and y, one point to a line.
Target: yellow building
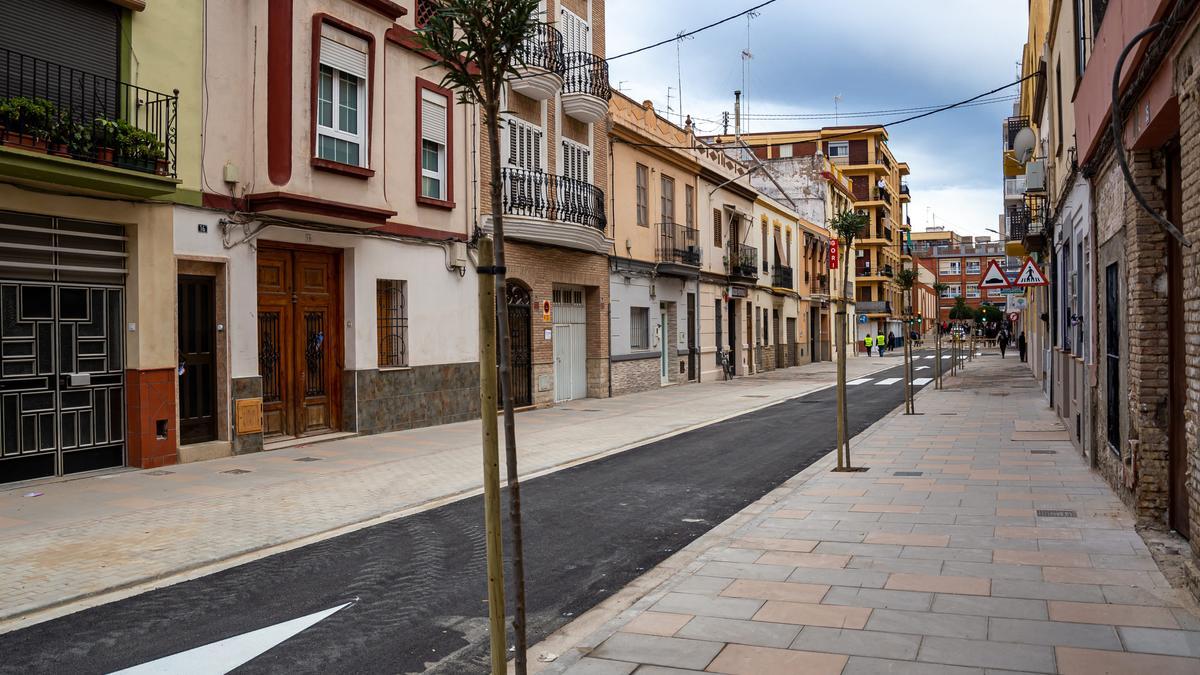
876	177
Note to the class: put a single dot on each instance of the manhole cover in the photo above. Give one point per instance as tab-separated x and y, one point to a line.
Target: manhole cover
908	473
1052	513
159	472
237	471
307	459
1043	452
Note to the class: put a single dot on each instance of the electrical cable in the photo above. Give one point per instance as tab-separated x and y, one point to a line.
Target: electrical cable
680	36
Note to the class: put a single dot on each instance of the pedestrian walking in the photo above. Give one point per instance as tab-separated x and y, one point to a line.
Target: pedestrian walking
1002	339
891	341
1022	345
869	343
881	343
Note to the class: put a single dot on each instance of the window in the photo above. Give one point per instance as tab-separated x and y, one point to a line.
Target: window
763	250
785	151
689	205
643	196
668	199
718	240
995	293
1081	38
435	142
972	291
342	97
639	327
577	161
949	268
839	149
1059	102
1112	348
391	322
973	266
524	145
718	306
950	292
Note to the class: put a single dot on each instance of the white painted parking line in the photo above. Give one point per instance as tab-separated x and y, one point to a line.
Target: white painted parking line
921	368
947	356
863	380
885	381
921	381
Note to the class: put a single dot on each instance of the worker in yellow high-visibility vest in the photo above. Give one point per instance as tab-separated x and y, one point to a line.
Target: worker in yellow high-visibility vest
881	343
869	343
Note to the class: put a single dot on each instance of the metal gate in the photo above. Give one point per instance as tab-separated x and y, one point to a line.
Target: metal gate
62	384
521	360
570	345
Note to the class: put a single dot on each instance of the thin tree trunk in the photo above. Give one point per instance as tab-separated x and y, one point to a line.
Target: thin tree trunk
492	113
843	406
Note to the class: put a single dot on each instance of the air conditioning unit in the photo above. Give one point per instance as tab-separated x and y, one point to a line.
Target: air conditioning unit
1035	176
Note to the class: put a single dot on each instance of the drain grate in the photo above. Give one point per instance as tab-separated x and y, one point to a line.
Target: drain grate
237	471
1054	513
908	473
307	459
159	472
1043	452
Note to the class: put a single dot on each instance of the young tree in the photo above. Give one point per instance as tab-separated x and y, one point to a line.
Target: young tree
938	288
846	226
481	43
960	311
906	279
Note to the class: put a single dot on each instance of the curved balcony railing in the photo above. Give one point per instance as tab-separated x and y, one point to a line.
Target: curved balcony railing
541	195
543	49
585	73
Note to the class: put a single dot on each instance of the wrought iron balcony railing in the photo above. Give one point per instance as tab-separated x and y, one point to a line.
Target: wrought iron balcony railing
1026	219
781	277
678	244
887	271
425	10
741	260
543	49
550	197
904	189
585	73
1012	127
47	107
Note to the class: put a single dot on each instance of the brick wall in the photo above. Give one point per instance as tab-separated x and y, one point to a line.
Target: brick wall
634	376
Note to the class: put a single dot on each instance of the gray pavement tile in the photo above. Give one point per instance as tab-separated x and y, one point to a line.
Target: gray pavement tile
993	543
1186	619
1123	562
659	651
1161	641
702	585
757	633
661	670
919	518
956	530
701	605
1131	595
1104	547
928	623
984	654
878	598
896	565
1053	633
842	577
873	550
857	642
856	516
944	553
862	665
590	666
851	536
993	570
1013	608
745	571
1044	590
738	555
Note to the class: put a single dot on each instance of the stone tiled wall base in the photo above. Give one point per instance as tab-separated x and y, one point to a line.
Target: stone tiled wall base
634	376
377	401
149	398
246	387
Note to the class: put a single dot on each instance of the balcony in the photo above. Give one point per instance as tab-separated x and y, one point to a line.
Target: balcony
887	271
1025	223
863	270
1014	188
84	129
781	277
1012	127
883	194
741	261
904	192
873	307
678	249
585	87
540	64
553	210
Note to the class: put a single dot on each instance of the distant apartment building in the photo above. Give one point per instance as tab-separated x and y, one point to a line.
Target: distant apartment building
961	267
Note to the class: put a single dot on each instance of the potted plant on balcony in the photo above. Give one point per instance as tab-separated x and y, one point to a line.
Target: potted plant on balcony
27	121
105	140
142	149
63	132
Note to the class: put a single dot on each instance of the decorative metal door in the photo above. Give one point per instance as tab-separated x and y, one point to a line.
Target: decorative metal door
691	335
521	359
298	341
197	359
62	382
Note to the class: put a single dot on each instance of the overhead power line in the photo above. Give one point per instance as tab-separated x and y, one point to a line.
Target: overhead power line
872	113
680	36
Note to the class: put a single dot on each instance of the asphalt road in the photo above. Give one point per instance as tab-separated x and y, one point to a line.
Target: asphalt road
420	581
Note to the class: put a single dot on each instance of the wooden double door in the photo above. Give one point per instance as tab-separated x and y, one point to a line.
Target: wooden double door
299	339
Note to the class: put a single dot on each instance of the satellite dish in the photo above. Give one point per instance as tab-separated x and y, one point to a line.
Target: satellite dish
1023	145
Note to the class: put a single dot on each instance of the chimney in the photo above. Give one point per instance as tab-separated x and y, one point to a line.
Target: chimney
737	114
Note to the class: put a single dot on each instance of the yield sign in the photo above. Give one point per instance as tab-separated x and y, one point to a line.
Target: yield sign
1030	275
994	277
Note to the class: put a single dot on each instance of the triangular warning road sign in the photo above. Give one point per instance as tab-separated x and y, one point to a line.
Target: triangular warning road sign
994	277
1030	275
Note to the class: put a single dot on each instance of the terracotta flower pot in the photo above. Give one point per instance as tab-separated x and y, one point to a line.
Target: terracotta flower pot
162	167
105	155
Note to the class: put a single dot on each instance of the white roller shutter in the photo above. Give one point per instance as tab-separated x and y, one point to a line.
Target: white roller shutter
343	51
433	117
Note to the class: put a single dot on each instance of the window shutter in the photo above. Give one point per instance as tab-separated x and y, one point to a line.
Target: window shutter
433	117
576	32
717	238
343	51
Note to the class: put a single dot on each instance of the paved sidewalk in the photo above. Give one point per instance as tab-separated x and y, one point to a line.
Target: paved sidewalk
85	537
940	559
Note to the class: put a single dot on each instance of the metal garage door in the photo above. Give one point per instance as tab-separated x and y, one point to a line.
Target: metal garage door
62	394
570	344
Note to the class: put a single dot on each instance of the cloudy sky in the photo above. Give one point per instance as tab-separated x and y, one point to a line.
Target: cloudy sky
875	54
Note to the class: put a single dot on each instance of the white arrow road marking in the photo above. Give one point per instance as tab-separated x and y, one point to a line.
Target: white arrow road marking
225	655
922	381
890	380
859	381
